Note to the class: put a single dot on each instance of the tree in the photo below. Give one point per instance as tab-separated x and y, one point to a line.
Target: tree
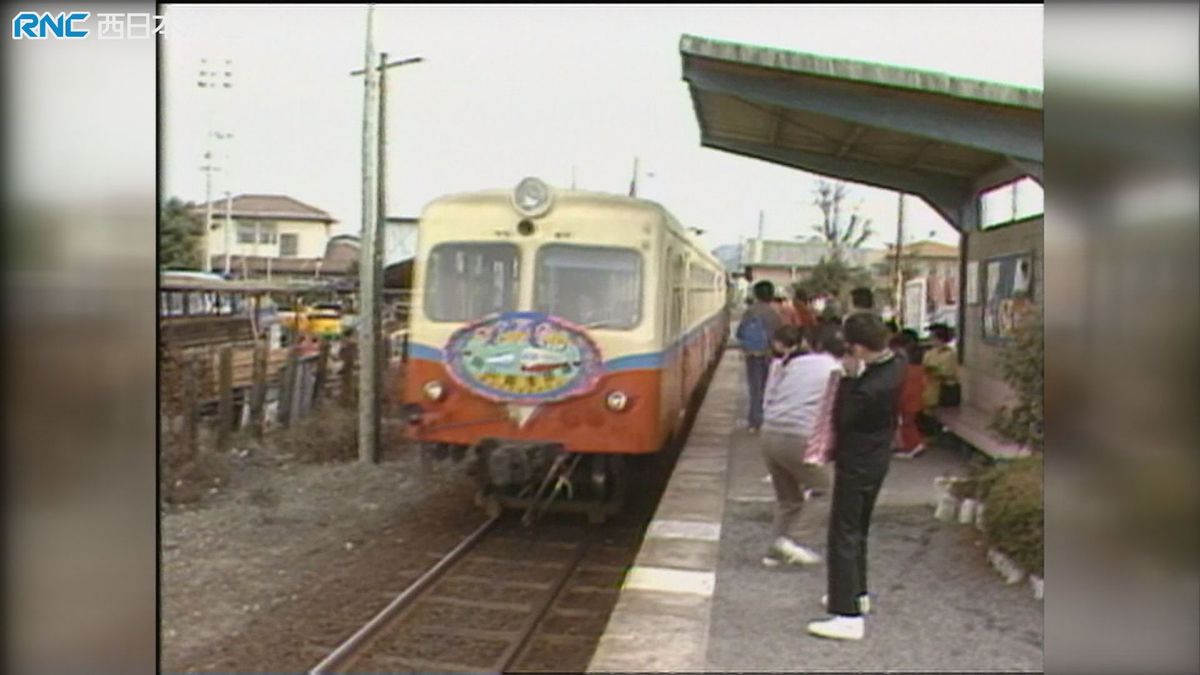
180	234
833	277
850	234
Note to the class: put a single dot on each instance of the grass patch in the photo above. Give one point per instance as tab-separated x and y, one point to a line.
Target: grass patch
186	479
325	436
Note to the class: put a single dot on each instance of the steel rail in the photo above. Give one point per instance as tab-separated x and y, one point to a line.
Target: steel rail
346	651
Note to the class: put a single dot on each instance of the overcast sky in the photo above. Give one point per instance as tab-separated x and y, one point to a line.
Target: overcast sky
507	92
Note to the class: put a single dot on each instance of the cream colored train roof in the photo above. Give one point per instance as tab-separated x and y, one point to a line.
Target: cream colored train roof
579	198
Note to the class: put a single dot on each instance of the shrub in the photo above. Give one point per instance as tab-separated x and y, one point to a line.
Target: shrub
1021	362
327	435
975	485
1012	493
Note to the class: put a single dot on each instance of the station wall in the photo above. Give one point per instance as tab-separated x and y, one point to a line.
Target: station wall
1017	237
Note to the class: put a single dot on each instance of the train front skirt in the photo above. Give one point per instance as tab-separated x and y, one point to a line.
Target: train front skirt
536	478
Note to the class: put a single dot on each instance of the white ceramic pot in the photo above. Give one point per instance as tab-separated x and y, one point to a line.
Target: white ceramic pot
940	489
966	511
947	508
1008	569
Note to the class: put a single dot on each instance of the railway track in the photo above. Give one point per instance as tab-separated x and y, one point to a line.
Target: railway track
506	599
510	598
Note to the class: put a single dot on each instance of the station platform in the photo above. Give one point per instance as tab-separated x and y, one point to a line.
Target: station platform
698	598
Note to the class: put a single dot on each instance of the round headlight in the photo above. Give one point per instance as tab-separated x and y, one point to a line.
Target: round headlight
616	401
532	197
434	390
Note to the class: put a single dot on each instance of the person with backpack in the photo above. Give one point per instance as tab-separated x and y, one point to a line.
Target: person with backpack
754	331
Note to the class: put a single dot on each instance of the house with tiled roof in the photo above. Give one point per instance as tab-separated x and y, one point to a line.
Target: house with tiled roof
934	262
266	235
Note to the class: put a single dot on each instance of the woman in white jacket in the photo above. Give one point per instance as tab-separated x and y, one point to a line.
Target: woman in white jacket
796	386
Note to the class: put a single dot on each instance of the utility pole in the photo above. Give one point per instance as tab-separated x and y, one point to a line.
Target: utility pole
633	183
371	354
760	224
212	80
368	379
898	270
371	250
228	227
208	170
572	176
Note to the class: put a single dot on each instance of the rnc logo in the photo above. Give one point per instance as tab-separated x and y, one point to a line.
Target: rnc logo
36	25
40	25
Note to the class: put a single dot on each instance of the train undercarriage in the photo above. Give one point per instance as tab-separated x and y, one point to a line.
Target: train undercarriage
536	478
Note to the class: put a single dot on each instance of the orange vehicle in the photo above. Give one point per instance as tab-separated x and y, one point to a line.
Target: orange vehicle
555	333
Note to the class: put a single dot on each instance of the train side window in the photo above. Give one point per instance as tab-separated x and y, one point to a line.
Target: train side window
677	290
467	281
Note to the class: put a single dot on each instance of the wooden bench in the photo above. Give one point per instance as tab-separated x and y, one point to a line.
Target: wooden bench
971	422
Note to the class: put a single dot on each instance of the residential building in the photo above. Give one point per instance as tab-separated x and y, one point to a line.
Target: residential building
399	249
936	263
786	262
273	234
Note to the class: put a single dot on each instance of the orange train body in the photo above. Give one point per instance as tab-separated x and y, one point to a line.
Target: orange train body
657	395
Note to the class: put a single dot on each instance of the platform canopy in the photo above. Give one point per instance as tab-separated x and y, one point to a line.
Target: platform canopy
943	138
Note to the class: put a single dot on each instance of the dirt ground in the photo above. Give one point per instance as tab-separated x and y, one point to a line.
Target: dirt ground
284	560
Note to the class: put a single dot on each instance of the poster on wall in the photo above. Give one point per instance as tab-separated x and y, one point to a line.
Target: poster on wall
973	282
1009	284
914	305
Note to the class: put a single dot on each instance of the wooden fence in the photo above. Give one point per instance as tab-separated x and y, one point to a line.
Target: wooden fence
251	388
247	387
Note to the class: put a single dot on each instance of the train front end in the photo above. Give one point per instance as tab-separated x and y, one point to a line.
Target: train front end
534	354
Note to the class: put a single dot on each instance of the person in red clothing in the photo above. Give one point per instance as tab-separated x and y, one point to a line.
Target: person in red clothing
805	316
787	315
910	442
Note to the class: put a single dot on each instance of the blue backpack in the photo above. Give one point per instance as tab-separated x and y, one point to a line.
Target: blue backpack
753	335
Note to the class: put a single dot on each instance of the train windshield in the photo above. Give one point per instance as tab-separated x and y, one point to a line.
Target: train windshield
596	287
467	281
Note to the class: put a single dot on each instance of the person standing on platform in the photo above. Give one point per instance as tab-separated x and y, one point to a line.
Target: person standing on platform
787	313
862	300
754	331
796	387
865	426
805	316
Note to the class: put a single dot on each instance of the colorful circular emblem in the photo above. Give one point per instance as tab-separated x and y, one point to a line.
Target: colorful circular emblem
524	358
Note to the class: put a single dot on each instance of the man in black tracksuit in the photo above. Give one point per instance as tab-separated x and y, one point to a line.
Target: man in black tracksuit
865	420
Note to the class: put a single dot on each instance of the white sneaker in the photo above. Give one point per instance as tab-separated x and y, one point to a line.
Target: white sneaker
839	628
864	603
767	479
785	550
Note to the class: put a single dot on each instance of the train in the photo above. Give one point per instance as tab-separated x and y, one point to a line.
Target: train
554	334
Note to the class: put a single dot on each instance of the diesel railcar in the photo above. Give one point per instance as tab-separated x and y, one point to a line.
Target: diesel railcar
554	333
